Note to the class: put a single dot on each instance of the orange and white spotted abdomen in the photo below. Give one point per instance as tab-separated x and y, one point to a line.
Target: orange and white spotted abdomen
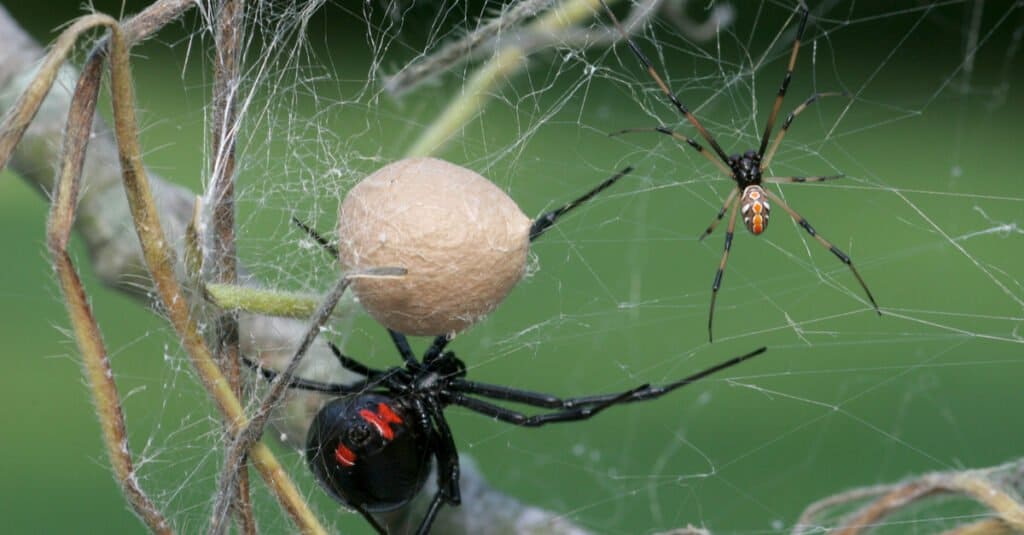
755	208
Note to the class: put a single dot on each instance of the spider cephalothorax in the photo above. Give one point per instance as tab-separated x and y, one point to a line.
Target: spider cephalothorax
372	447
748	196
746	168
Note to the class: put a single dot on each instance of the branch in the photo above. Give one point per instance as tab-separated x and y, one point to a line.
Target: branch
999	488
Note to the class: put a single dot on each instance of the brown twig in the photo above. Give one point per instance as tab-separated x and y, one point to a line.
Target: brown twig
87	332
222	257
993	487
155	248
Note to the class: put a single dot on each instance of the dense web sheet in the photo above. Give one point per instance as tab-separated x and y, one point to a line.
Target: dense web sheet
930	211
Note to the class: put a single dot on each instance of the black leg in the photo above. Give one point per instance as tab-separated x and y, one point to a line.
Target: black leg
352	364
570	408
404	349
357	387
545	221
664	87
826	244
582	412
721	266
312	233
428	518
447	456
785	82
436	348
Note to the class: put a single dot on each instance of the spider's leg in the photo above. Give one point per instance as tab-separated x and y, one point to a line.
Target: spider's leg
721	265
663	86
447	456
404	349
352	364
505	393
678	137
538	399
582	412
545	221
357	387
433	424
431	514
825	243
317	237
767	159
785	81
798	179
436	348
370	519
718	218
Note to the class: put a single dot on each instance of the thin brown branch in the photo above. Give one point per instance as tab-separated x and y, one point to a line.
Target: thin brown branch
222	257
160	262
997	488
989	526
87	332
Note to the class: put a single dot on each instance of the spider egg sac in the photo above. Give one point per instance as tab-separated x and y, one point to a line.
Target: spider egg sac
462	239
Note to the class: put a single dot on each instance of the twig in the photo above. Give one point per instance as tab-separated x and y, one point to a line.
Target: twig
223	134
155	249
87	332
504	64
454	54
998	488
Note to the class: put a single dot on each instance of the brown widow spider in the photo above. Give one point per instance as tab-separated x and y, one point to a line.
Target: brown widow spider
748	196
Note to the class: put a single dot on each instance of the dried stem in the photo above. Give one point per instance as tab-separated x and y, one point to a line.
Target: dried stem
161	266
998	488
222	257
155	249
453	54
505	63
87	332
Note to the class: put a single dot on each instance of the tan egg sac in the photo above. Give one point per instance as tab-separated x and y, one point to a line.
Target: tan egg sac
462	239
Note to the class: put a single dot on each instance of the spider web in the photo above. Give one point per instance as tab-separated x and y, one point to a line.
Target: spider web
617	294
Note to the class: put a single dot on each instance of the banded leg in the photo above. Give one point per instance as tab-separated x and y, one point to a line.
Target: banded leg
317	237
721	266
545	221
801	179
785	82
721	213
767	159
646	63
678	137
825	243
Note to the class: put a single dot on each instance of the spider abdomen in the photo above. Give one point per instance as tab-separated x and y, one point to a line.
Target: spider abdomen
367	452
755	209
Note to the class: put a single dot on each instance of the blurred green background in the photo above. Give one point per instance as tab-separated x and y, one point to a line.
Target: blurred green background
930	212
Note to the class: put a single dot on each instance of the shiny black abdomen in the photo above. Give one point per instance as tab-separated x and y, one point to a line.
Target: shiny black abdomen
386	460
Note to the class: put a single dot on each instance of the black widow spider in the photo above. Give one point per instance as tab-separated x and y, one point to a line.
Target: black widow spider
746	169
371	447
